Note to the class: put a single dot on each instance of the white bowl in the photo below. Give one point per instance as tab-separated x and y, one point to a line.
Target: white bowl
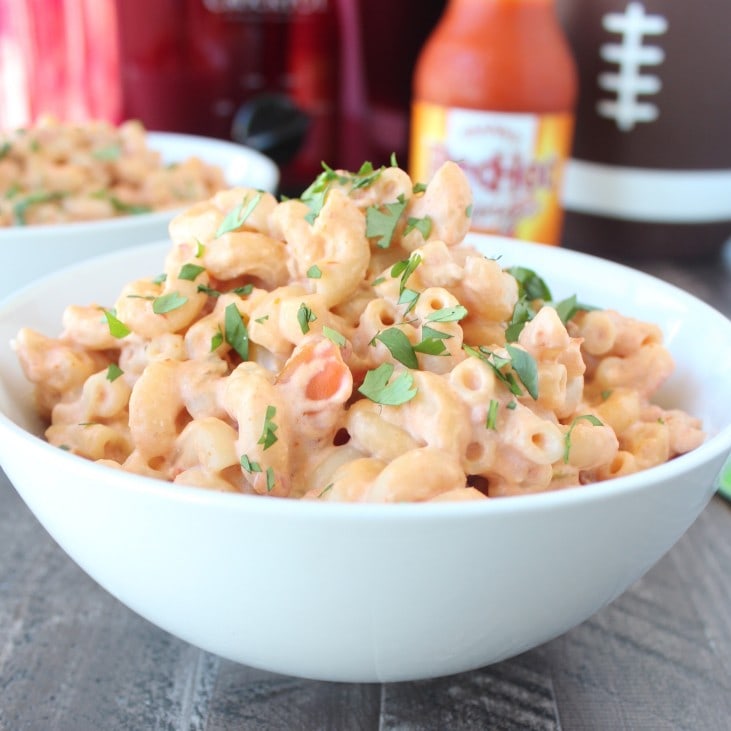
31	251
356	592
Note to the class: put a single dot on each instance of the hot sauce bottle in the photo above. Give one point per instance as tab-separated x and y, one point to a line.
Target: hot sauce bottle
494	90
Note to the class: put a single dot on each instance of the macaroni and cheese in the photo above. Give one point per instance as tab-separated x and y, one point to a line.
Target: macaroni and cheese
58	172
349	346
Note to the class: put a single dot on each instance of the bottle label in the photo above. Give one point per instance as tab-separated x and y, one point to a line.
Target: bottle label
514	163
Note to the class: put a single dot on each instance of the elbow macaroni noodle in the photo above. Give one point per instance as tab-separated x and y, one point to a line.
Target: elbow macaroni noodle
58	172
349	346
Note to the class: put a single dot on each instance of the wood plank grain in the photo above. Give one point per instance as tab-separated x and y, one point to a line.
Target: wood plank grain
646	662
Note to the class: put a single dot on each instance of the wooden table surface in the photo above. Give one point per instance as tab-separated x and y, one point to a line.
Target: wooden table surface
72	658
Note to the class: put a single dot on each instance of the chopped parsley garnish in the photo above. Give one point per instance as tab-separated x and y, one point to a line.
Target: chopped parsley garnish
235	331
108	153
208	290
567	439
378	388
314	272
521	363
381	221
216	340
532	291
326	489
334	336
119	205
21	207
530	285
399	346
189	272
304	317
491	418
568	307
242	291
448	314
432	344
5	149
405	268
422	225
114	372
268	435
236	217
248	465
168	302
314	196
270	479
116	327
419	188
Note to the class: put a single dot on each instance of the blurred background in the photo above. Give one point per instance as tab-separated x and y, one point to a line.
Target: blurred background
307	81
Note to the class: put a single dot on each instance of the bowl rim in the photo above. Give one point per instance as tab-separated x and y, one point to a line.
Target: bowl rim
716	446
18	234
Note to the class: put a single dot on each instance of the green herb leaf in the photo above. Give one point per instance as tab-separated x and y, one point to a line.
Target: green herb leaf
208	290
270	479
422	225
244	291
429	333
530	284
116	327
268	435
524	364
523	312
108	153
431	346
20	208
304	317
216	341
448	314
381	221
419	188
326	489
399	346
114	372
189	272
377	388
496	363
405	268
334	336
568	307
408	297
168	302
491	419
120	206
236	217
235	331
314	272
567	438
248	465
